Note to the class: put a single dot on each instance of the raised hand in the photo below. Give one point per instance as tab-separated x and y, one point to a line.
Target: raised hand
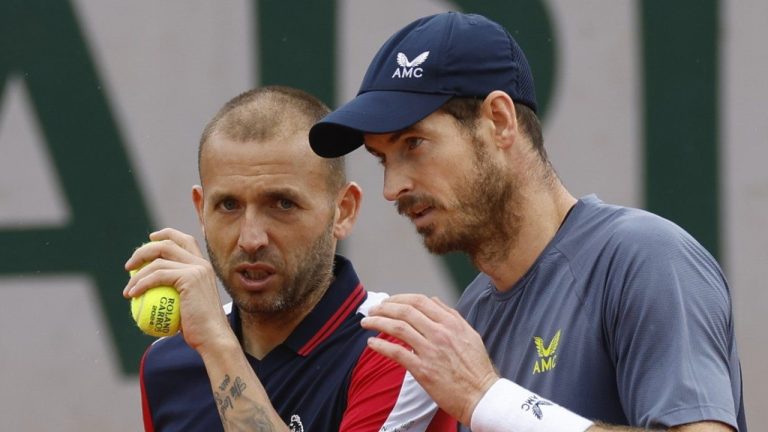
447	358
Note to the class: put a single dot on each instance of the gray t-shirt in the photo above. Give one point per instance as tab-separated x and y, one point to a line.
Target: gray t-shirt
623	318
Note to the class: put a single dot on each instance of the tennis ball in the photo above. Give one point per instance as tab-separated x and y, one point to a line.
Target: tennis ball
157	312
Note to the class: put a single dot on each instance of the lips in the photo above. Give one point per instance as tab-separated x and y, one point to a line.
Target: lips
420	216
255	276
418	210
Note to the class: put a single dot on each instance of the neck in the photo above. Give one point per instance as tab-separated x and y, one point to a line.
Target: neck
544	212
262	332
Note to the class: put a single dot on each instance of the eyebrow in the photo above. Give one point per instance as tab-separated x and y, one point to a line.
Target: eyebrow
217	196
414	128
396	136
278	192
284	193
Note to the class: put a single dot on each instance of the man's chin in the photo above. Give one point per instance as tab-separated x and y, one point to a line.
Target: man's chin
443	243
255	302
260	307
440	246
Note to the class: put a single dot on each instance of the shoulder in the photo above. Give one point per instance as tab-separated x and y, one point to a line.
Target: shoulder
649	264
384	396
643	238
596	219
371	299
646	228
625	254
610	231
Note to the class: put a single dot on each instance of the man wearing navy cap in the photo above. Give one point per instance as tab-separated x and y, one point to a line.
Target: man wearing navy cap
592	314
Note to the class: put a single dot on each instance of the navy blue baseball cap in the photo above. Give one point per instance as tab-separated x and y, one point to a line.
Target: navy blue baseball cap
418	70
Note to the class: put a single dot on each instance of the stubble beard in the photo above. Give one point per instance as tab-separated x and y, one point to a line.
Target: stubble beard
302	286
484	225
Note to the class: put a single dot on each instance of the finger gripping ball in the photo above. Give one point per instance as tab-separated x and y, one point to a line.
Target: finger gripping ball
157	312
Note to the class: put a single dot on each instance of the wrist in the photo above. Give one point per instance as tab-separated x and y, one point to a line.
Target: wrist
216	348
508	407
475	398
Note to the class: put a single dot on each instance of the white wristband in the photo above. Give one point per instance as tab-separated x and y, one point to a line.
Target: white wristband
507	407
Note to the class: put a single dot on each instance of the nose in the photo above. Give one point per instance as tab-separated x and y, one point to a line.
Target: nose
253	233
396	182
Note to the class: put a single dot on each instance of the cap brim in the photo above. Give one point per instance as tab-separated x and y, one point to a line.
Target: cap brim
342	131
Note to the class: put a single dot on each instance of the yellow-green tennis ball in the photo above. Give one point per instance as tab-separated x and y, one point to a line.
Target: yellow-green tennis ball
157	312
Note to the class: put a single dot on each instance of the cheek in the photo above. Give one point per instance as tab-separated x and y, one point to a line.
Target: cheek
220	236
292	240
444	178
296	240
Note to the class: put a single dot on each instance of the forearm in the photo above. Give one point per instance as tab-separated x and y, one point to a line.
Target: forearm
602	427
507	407
242	402
692	427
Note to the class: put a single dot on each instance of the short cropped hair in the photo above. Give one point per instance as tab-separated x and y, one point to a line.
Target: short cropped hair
268	113
467	109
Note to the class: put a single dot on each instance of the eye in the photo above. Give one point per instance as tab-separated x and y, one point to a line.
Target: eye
285	204
228	204
413	142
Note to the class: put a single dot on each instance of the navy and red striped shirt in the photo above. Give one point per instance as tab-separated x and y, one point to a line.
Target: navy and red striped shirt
323	377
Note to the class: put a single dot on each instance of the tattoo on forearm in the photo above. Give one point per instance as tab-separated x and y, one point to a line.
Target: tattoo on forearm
237	388
224	401
252	417
225	383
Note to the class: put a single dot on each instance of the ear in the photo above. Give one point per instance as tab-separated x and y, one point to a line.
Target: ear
198	201
347	208
499	108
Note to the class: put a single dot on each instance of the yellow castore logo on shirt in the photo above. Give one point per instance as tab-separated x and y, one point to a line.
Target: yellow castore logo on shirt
547	355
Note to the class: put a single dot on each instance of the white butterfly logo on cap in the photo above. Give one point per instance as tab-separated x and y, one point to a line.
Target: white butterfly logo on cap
410	68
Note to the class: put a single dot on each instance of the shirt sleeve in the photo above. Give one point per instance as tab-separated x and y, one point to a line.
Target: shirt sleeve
668	322
383	396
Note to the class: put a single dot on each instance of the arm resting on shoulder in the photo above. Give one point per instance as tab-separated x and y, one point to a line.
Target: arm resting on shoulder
382	396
